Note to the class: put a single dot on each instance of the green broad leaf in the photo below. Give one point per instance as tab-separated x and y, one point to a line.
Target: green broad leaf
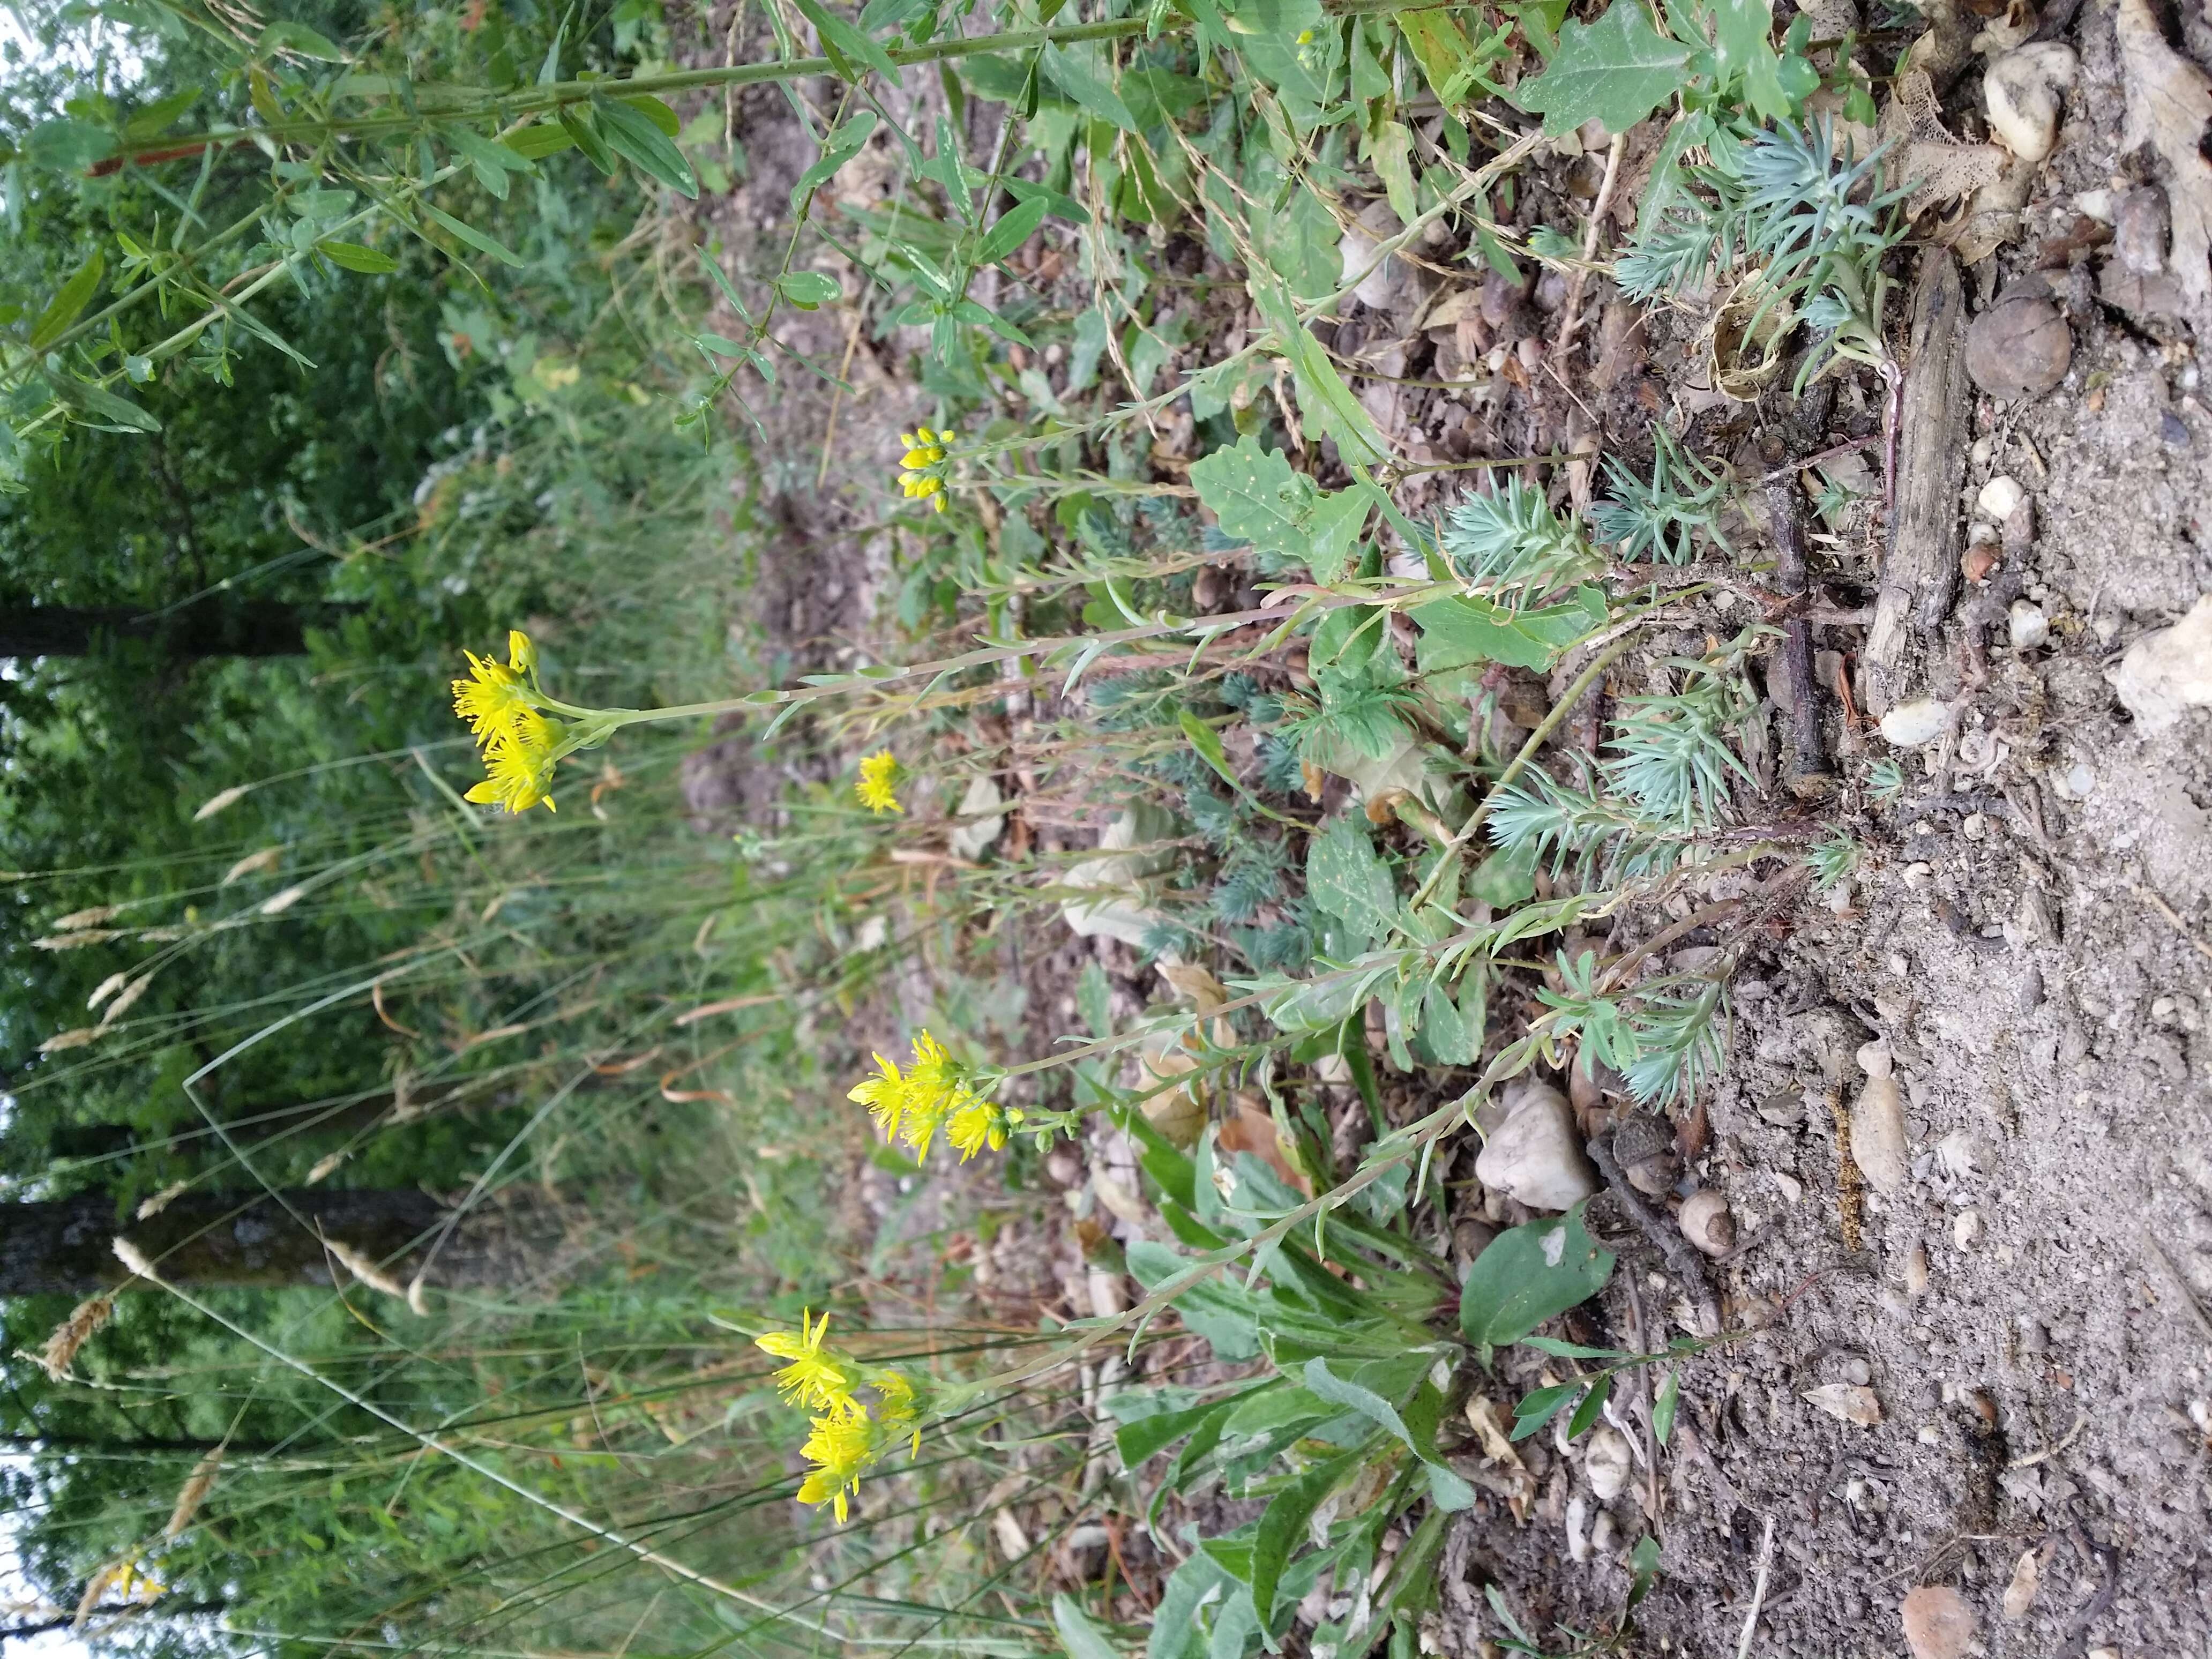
1206	743
1286	43
1324	399
1464	629
808	289
540	140
488	158
65	145
301	41
1256	495
1446	1488
1643	1569
1320	1005
659	113
1350	638
1059	204
1081	1637
1082	73
847	40
842	146
1664	1408
971	311
1744	55
1540	1407
475	238
1283	1525
1297	241
1015	227
1553	1345
68	305
638	138
1148	1436
1176	1633
1390	152
118	413
1346	880
1616	70
352	256
157	118
1529	1273
1217	1310
1506	877
1440	47
1593	1403
722	282
1258	498
1452	1030
576	121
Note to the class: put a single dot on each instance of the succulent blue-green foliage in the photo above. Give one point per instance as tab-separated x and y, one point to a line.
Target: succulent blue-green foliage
1660	518
1510	543
1673	755
1789	202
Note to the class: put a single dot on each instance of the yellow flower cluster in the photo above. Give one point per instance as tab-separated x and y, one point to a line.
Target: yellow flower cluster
845	1438
931	1094
878	772
923	477
518	742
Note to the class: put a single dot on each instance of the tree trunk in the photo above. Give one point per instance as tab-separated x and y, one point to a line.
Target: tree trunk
251	1239
206	627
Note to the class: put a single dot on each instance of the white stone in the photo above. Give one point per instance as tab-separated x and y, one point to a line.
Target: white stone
2020	92
1878	1136
1999	498
1922	720
1607	1461
1577	1522
2168	672
2031	628
1535	1155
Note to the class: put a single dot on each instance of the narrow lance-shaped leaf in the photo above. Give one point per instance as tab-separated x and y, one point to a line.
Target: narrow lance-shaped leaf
640	140
66	305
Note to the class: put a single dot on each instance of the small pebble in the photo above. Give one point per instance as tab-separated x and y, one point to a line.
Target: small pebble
1606	1461
1938	1622
2139	231
2031	628
1856	1371
1536	1155
1966	1229
2033	1339
1784	1109
2020	1594
1922	720
1916	1270
1578	1525
1705	1222
1854	1402
1976	827
2173	429
2019	347
1999	496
